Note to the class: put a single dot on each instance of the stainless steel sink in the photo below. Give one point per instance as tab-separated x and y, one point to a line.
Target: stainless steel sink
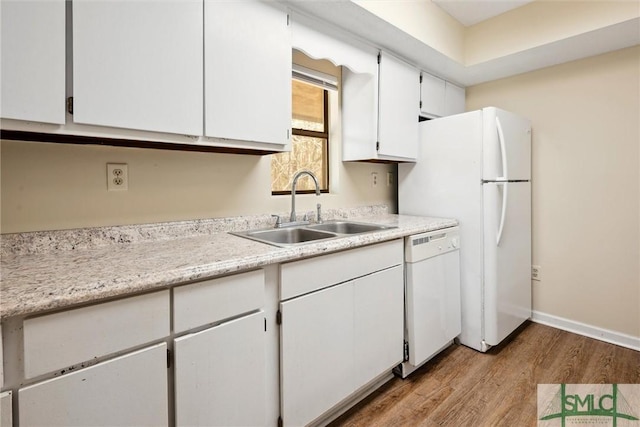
304	234
347	227
286	236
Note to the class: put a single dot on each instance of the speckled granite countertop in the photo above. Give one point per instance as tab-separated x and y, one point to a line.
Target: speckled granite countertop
36	279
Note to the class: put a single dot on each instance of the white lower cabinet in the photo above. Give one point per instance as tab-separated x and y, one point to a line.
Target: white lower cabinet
220	375
61	340
343	336
128	390
379	319
220	364
341	331
316	353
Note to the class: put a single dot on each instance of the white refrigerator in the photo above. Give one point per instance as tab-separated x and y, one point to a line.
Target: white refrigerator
476	167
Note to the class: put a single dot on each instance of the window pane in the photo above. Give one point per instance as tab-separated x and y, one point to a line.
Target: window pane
307	153
308	106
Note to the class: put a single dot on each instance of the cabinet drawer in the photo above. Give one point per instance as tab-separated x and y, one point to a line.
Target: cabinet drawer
301	277
213	300
59	340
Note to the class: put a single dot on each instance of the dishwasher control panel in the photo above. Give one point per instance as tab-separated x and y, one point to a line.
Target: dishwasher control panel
430	244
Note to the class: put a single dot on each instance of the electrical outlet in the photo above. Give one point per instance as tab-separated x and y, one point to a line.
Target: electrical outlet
536	273
374	179
389	179
117	177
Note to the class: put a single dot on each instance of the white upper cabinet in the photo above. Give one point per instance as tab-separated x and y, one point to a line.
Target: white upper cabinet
398	103
359	115
439	98
380	113
139	64
431	95
380	94
33	60
454	99
247	71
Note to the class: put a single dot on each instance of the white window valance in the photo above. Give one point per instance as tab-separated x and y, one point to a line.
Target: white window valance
319	44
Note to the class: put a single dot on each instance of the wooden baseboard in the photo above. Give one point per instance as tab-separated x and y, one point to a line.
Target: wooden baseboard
590	331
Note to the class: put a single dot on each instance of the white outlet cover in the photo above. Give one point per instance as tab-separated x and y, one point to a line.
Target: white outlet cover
536	273
374	179
117	177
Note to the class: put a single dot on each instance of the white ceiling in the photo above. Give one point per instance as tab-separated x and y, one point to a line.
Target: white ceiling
469	12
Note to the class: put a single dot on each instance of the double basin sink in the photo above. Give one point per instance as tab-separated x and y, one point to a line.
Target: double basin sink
296	235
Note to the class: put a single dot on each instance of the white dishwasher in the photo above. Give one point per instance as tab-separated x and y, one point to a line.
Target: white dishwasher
433	315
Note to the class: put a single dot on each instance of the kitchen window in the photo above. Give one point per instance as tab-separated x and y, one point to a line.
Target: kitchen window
310	134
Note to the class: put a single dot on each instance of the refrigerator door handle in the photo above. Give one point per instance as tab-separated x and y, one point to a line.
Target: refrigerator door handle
503	151
505	199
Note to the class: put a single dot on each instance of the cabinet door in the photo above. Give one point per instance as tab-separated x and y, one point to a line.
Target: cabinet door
316	348
129	390
33	60
138	64
220	375
6	414
379	320
454	99
398	108
359	115
432	96
247	71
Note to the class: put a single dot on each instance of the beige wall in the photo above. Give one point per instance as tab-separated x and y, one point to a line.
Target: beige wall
539	23
423	20
586	184
48	186
536	24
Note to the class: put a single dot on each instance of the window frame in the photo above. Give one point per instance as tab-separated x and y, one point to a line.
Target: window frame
314	134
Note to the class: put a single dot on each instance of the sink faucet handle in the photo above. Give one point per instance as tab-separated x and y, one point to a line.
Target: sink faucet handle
278	223
318	213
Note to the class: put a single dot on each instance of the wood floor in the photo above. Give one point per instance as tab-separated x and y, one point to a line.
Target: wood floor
462	387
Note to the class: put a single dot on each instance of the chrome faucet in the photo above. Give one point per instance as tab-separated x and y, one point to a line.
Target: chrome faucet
292	217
